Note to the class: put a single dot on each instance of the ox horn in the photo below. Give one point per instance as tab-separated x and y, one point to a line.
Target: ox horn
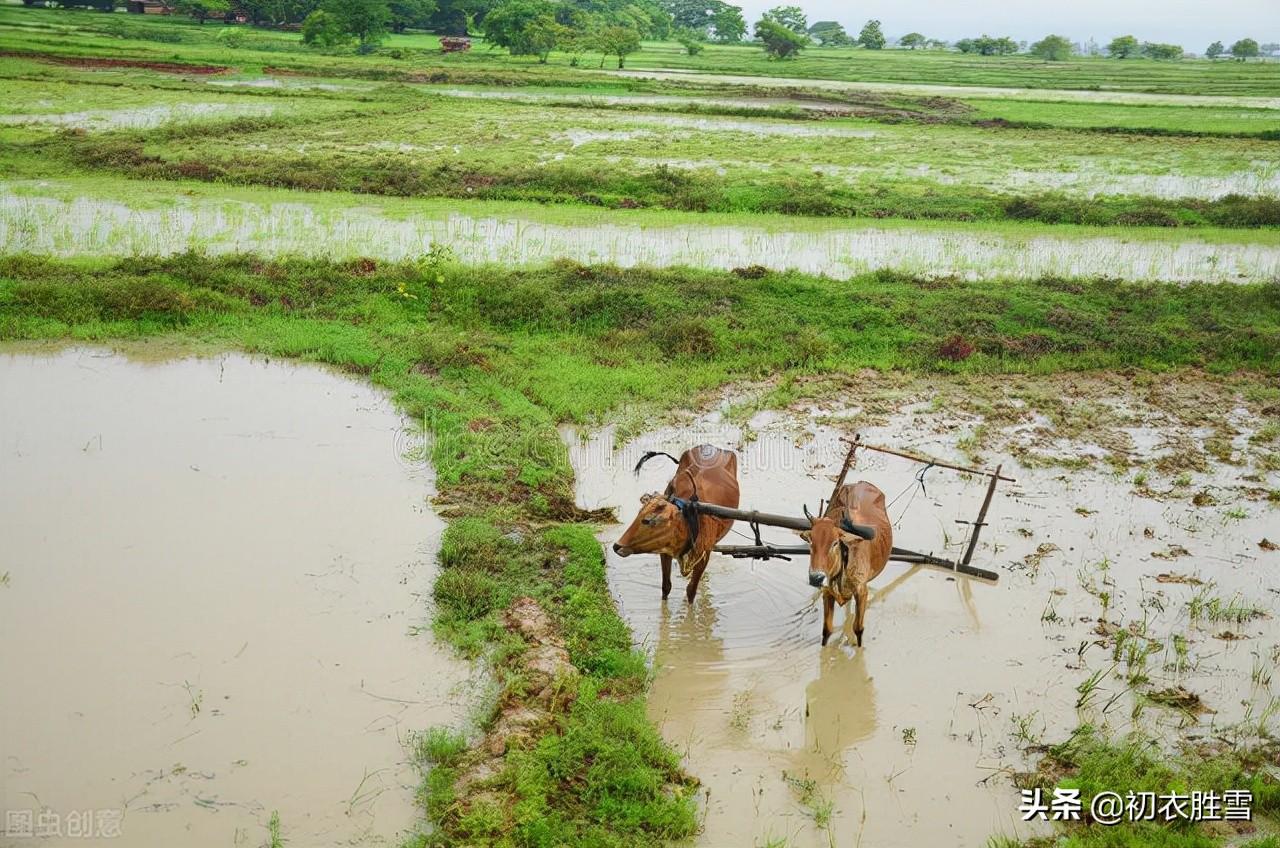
807	514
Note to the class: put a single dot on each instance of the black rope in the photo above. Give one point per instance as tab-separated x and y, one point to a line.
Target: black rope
920	477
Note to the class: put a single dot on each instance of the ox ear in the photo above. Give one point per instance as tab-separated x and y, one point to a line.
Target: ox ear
805	534
850	539
648	496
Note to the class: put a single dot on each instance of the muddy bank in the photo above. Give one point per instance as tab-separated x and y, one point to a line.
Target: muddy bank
215	577
910	740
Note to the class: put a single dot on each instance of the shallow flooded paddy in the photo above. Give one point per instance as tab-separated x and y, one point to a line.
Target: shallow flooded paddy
212	581
32	221
911	740
1135	98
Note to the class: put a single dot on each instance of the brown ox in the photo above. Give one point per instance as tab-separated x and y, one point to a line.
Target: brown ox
706	473
849	562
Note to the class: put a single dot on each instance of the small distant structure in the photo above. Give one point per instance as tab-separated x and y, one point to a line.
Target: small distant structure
148	7
455	44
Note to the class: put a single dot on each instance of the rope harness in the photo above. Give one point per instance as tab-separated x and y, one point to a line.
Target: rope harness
690	516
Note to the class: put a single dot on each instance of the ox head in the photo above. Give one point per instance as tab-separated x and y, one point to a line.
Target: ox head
659	528
828	544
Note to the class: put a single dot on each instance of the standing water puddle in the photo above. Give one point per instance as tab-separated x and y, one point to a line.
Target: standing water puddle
909	740
211	577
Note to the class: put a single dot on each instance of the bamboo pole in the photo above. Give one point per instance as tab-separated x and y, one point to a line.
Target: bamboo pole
751	516
857	442
898	555
982	516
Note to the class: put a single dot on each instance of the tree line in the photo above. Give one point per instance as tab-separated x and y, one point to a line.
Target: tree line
617	27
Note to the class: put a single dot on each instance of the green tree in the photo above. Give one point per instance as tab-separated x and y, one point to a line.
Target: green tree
871	37
985	45
780	42
458	17
691	40
1122	47
1245	48
414	14
728	24
912	40
790	17
366	20
508	25
1161	51
1052	48
1214	50
278	12
321	29
829	34
620	41
201	10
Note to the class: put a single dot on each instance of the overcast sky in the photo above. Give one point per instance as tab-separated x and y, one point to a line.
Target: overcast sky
1190	23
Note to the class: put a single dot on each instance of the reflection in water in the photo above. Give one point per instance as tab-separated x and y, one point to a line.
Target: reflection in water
840	710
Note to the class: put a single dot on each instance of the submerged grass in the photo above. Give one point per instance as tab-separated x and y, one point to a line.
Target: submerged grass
490	360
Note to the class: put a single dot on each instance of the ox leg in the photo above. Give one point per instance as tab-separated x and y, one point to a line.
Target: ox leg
666	575
699	566
828	612
860	609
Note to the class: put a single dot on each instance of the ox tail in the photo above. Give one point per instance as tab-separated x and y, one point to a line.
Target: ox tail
648	455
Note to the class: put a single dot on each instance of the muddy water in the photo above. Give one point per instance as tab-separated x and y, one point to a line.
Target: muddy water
910	739
91	226
211	579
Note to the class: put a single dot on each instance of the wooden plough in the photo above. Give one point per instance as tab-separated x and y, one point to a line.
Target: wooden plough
762	550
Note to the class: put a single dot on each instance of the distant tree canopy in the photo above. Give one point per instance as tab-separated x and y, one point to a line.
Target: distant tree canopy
1052	48
367	20
790	17
1215	50
322	29
507	25
1153	50
985	45
913	40
711	18
692	40
203	9
871	37
620	41
728	25
414	14
1245	48
1122	47
779	41
830	34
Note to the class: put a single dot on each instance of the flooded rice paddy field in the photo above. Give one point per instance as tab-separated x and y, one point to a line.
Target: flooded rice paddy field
1131	98
482	128
211	586
911	740
32	221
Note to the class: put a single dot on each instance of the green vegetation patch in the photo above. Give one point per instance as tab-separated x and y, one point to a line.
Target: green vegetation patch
1092	762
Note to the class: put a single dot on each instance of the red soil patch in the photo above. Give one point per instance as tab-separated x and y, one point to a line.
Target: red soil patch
94	62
